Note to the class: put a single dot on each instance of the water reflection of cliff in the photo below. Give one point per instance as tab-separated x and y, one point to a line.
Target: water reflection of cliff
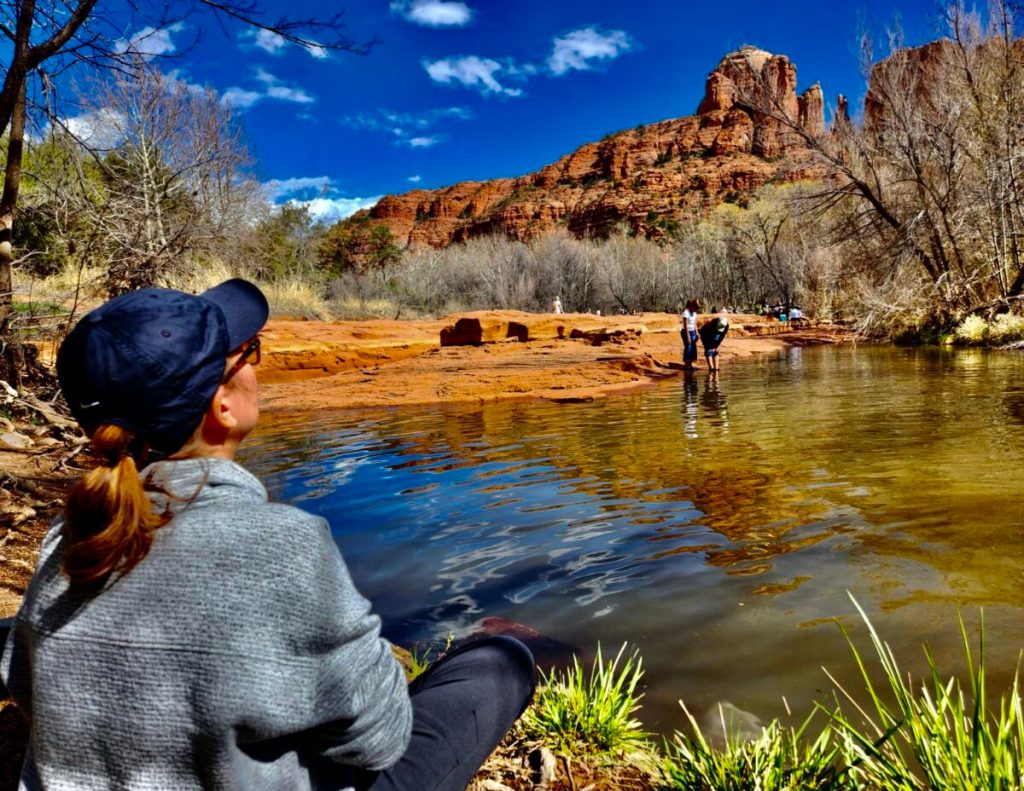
691	486
909	455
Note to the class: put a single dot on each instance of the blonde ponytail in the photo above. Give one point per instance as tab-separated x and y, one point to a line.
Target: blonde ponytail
109	520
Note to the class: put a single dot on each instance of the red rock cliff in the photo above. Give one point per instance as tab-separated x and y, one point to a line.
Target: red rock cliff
647	179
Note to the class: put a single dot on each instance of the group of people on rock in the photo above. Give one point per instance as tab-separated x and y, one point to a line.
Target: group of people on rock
711	333
780	312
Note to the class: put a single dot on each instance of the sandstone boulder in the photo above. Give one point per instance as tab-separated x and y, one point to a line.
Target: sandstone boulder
602	335
478	330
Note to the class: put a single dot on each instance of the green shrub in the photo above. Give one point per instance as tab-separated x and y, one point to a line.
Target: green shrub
1007	328
973	329
590	716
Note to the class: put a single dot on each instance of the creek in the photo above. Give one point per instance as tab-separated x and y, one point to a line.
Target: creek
715	525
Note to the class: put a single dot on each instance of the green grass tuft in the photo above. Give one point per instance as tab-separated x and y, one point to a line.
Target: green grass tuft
590	716
935	735
777	760
422	658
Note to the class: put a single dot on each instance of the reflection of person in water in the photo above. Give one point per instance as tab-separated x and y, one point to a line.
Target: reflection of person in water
708	405
713	401
690	407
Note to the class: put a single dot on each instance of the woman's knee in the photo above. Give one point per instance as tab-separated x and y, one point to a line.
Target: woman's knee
508	661
509	658
500	662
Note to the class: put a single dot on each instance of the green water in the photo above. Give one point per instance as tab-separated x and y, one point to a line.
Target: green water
716	525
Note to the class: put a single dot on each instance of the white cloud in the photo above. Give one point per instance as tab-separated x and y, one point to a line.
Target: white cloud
471	72
286	94
433	13
270	42
176	79
315	194
278	90
409	128
427	119
275	44
241	98
150	42
415	179
334	209
282	188
103	129
577	50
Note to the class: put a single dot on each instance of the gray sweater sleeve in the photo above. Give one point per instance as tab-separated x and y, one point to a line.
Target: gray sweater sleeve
359	696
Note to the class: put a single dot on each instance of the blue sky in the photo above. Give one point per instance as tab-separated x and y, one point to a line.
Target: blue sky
477	89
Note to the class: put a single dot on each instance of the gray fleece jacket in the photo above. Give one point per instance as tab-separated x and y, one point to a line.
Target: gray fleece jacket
236	655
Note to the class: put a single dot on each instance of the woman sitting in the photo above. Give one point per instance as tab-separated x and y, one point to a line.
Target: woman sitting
180	631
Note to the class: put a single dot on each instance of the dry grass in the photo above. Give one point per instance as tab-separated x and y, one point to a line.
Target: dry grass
81	290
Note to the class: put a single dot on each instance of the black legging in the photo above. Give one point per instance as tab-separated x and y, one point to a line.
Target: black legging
462	707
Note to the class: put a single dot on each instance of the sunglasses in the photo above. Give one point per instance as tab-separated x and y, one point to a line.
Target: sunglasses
250	354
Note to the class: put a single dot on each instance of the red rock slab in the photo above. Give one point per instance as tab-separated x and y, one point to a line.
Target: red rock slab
307	349
556	369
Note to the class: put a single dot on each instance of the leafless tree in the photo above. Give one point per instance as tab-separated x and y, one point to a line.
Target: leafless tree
60	34
929	185
167	186
638	274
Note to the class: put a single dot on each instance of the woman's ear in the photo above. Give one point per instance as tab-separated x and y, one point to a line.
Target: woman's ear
219	419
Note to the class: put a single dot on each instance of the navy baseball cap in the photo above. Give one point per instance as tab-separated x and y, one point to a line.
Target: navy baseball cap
150	361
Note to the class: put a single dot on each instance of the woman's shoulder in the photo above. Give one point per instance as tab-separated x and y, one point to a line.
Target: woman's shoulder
259	517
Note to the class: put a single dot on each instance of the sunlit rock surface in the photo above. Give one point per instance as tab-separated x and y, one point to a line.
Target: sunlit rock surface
489	355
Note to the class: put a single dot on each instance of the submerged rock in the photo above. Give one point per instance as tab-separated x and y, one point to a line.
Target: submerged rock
723	723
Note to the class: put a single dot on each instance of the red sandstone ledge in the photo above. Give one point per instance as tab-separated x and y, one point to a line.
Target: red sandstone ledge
491	355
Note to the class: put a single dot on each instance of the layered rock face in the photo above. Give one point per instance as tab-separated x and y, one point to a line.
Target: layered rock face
646	179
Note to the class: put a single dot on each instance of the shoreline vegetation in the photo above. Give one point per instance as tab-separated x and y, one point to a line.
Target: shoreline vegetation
897	732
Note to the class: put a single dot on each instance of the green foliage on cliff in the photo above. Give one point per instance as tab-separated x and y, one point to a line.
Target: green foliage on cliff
358	244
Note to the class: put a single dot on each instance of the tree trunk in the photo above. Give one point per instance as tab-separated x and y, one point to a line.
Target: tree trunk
12	360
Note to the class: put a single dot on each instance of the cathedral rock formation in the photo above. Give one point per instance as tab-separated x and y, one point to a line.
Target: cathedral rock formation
646	179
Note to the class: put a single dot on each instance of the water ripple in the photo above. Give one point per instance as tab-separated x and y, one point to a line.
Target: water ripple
707	521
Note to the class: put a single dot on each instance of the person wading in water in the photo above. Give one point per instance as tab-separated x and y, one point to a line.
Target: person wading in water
688	331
